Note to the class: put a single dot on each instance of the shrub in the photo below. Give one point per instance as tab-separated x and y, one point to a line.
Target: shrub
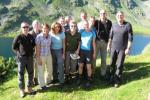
7	66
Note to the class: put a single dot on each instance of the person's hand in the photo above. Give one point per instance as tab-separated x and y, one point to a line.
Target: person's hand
77	52
127	51
108	48
39	60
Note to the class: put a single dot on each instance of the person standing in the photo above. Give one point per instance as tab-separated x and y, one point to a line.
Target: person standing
87	53
103	26
73	39
83	16
58	52
23	45
34	32
119	45
44	58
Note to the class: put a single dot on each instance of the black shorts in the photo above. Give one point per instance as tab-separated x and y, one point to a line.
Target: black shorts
85	56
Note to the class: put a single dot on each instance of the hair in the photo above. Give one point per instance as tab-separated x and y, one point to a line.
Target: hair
73	22
83	12
35	22
45	25
24	22
120	12
53	27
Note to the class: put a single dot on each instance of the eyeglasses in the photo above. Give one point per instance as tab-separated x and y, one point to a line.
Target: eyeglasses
73	26
25	27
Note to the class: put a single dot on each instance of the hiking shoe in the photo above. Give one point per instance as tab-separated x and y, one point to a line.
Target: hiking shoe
44	88
116	85
88	84
22	93
30	91
78	81
35	82
61	86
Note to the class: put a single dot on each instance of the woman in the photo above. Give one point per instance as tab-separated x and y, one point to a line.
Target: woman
73	39
58	52
43	53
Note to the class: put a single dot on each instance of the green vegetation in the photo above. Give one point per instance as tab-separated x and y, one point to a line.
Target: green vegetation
6	66
136	85
13	12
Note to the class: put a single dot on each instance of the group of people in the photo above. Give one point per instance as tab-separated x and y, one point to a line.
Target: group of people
45	52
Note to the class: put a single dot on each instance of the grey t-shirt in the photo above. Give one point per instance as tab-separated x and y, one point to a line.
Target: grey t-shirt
120	35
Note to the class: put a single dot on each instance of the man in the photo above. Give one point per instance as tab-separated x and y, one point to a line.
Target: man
103	26
23	46
83	16
63	23
120	40
35	31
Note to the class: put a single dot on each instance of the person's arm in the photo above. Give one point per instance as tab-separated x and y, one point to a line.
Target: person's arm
109	45
15	46
128	47
64	48
38	51
94	48
130	38
110	40
79	42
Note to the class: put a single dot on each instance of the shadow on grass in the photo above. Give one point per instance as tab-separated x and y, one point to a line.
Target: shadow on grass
132	72
135	71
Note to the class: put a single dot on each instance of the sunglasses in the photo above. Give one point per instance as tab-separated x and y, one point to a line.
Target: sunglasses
73	26
25	27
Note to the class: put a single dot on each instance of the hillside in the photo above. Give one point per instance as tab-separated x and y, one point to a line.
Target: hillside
12	12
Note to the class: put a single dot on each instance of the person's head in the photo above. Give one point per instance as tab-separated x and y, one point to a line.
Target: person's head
91	21
83	15
85	24
103	14
68	19
24	28
56	28
62	21
120	16
36	26
73	26
45	28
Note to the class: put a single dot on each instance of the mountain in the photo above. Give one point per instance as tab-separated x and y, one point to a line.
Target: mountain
13	12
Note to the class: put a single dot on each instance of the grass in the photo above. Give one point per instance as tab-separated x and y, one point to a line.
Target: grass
136	85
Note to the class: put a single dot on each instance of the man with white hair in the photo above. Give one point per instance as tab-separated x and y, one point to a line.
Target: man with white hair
119	45
34	32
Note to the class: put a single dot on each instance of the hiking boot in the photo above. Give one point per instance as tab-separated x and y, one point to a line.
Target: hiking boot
116	85
79	80
88	84
30	91
44	88
35	81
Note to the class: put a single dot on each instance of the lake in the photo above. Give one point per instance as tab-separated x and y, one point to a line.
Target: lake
139	43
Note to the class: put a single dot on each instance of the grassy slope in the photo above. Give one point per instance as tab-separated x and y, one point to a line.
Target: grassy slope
136	86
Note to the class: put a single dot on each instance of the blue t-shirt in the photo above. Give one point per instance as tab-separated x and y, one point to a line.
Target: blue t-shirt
57	40
86	39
